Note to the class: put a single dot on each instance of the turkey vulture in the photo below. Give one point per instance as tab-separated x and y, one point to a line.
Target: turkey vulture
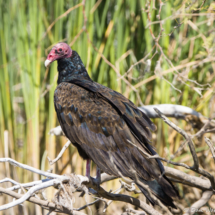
106	127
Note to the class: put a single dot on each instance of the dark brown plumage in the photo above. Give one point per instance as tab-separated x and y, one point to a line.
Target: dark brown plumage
107	128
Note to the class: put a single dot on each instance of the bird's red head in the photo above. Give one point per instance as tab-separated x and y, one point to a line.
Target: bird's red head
61	50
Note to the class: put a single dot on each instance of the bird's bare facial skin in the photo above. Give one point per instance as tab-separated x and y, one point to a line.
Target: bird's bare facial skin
61	50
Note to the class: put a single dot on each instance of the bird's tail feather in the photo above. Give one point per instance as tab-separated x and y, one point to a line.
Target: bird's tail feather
161	190
168	187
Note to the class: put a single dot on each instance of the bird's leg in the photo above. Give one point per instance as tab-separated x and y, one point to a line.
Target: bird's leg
96	180
98	175
88	168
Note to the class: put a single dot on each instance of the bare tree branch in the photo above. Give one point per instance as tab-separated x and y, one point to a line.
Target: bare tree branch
105	177
124	198
8	180
60	154
76	181
169	110
195	167
201	202
45	204
185	135
212	149
190	180
31	191
29	168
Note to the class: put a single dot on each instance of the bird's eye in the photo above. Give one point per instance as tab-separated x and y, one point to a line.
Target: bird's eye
60	49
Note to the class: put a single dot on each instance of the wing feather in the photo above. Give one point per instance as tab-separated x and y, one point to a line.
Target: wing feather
103	134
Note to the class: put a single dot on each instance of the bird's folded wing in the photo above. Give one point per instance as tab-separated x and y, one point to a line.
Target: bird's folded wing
93	123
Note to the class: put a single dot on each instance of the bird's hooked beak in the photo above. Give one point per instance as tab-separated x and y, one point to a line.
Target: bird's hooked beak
52	56
47	63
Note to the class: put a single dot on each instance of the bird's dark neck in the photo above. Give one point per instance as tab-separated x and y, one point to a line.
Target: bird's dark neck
71	69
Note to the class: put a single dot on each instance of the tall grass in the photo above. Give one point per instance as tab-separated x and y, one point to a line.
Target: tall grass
117	29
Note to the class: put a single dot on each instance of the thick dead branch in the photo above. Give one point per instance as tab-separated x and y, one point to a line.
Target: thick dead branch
203	184
181	112
123	198
181	177
169	110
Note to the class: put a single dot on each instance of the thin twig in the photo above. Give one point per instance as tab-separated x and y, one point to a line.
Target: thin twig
60	154
210	145
185	135
31	191
29	168
195	166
